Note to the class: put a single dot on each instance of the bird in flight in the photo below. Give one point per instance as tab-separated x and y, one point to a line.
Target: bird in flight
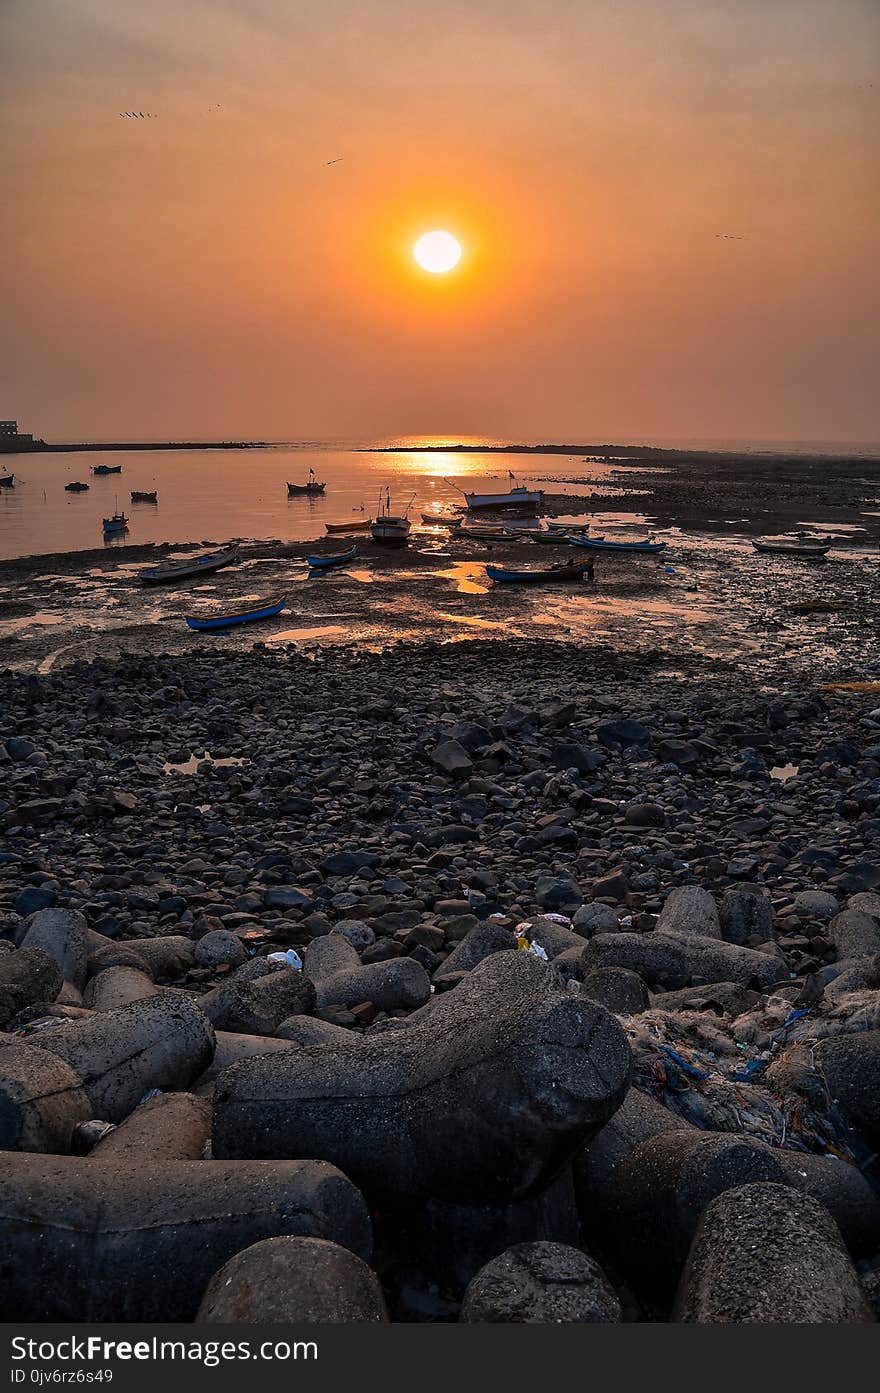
139	115
338	160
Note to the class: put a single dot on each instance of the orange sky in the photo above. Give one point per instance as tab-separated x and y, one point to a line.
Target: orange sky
204	272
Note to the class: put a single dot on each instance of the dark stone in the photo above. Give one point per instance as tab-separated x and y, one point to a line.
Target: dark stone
541	1284
279	1280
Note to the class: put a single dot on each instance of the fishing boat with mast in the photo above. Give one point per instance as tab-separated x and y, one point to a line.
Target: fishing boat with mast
517	496
391	528
311	488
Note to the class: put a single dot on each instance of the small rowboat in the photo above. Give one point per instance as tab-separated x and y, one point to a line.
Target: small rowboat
484	534
169	571
260	609
563	570
106	468
809	547
646	548
7	481
568	526
349	526
141	496
440	519
76	487
326	563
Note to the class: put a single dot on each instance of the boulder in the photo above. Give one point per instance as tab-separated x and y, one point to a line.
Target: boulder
257	1006
170	1127
42	1100
279	1281
541	1284
28	976
62	933
855	934
746	916
340	978
690	910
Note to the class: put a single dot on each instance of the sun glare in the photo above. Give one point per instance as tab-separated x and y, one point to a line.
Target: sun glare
437	251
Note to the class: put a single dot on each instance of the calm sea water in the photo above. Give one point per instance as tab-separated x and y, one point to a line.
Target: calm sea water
212	495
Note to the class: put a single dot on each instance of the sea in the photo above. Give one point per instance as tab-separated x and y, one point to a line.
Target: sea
213	495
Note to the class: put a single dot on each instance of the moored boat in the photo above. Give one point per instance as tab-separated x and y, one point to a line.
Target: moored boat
144	496
7	481
814	548
519	497
168	571
247	614
646	548
391	528
563	570
338	558
106	468
311	486
118	523
76	487
336	527
483	532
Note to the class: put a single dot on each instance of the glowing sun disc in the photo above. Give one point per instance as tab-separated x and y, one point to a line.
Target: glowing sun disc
437	251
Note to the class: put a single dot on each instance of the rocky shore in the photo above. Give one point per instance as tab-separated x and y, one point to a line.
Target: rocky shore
496	981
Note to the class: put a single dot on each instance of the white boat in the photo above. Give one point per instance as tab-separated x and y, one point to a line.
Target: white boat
519	497
391	527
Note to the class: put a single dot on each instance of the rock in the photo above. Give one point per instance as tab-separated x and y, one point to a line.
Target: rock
220	948
87	1241
552	937
359	934
690	910
33	898
595	919
680	752
172	1127
541	1284
637	1119
117	986
310	1030
673	960
468	1127
613	886
164	1042
19	749
280	1280
816	904
479	943
347	862
643	814
841	1187
662	1188
567	754
257	1007
851	1065
42	1100
617	989
866	903
746	916
557	892
340	979
765	1254
452	758
854	934
233	1046
27	976
623	732
724	998
62	933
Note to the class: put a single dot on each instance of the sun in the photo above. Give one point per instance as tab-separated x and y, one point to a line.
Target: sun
437	252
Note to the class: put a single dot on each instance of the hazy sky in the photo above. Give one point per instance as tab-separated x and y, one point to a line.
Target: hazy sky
206	273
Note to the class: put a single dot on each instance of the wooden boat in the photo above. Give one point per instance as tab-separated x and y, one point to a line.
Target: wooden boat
143	496
260	609
311	486
518	497
392	529
7	481
106	468
169	571
484	533
563	570
812	548
118	523
440	519
76	487
568	526
646	548
335	527
338	558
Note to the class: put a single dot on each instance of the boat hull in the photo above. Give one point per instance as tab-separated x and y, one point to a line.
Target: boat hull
808	553
516	498
504	574
144	497
337	527
625	548
390	531
327	563
298	490
265	609
199	566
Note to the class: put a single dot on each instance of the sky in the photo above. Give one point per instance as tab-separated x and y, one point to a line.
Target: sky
668	211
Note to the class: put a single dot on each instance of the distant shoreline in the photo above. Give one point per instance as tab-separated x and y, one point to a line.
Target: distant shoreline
647	453
40	447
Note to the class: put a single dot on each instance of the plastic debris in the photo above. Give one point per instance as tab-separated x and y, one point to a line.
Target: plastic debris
558	919
537	951
291	957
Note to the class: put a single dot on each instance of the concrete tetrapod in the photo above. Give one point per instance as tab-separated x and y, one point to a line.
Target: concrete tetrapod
480	1102
27	976
161	1042
768	1254
41	1100
280	1281
86	1241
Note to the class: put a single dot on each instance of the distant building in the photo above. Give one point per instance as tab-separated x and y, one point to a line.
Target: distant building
12	440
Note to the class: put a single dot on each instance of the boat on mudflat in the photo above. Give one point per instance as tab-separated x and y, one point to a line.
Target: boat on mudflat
144	496
335	527
248	614
811	548
168	571
562	570
391	528
106	468
646	548
337	558
519	497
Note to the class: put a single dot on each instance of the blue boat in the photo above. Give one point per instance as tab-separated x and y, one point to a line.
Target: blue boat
338	558
563	570
118	523
600	544
261	609
168	571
